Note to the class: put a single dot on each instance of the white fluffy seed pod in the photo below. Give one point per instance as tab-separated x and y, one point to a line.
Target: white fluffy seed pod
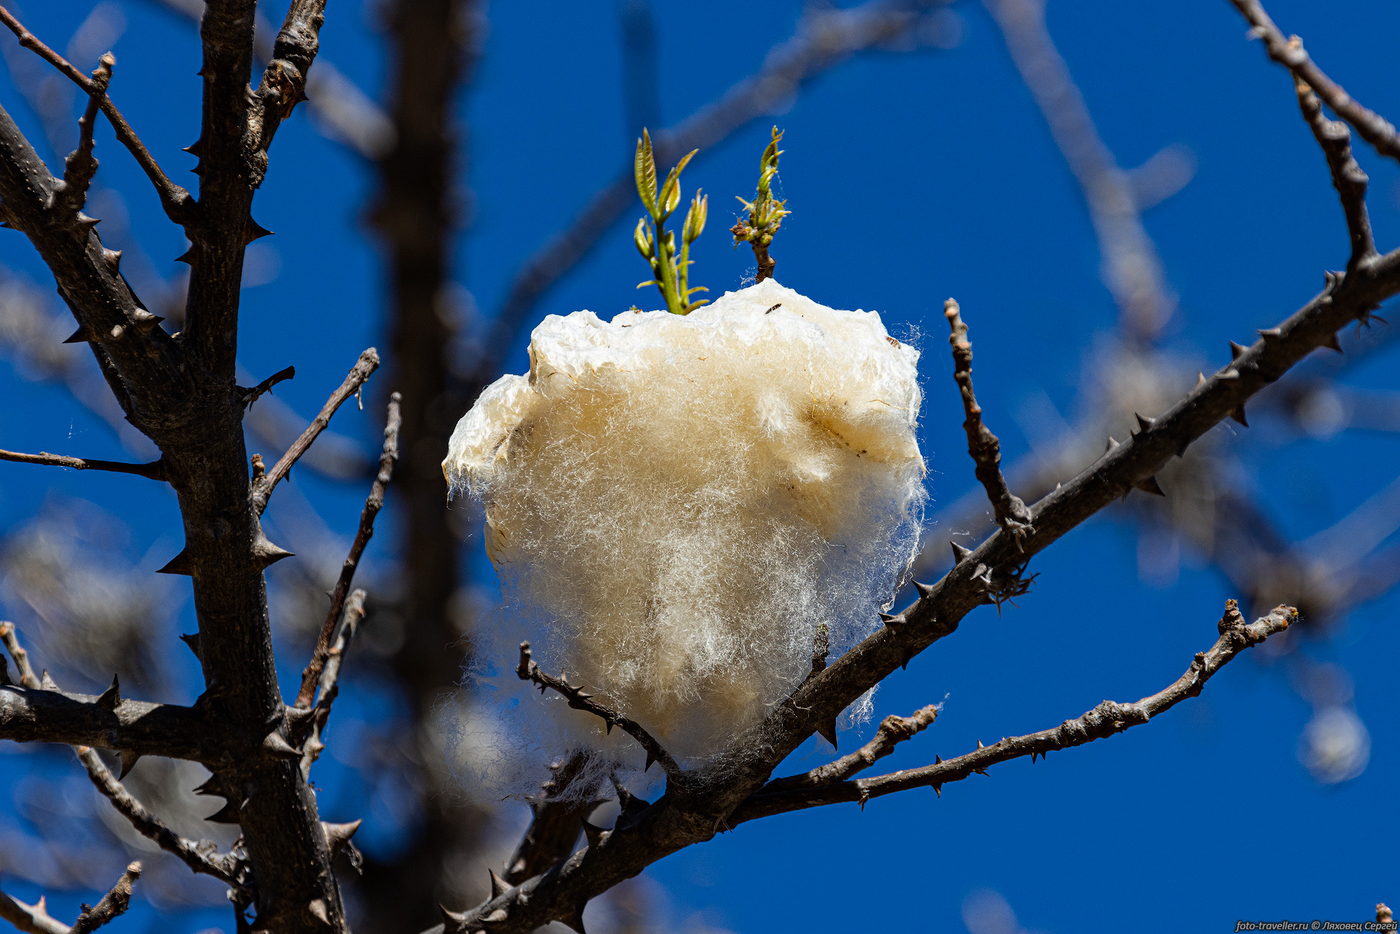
682	501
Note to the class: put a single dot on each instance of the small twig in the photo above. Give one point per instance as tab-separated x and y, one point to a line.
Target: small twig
1347	176
359	373
31	919
201	856
114	903
155	470
555	822
1372	127
580	699
329	684
387	459
252	395
176	200
893	731
985	448
1109	717
80	166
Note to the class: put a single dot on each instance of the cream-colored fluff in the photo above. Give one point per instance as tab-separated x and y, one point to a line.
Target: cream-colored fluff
681	501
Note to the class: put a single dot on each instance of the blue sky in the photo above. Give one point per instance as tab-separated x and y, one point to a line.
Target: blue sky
912	176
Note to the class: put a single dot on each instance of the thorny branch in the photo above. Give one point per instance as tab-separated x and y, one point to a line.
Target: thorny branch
817	788
579	699
32	919
114	903
1289	53
328	686
984	447
373	503
200	856
362	370
177	202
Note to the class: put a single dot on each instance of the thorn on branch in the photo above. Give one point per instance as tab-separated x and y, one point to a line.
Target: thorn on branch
985	448
528	670
251	395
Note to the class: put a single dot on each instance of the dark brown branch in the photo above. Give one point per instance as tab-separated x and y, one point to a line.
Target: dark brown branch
1132	269
252	395
140	728
155	470
1347	176
328	688
1289	53
80	167
985	448
177	202
201	856
114	903
373	503
283	83
1104	720
32	919
557	818
359	373
579	699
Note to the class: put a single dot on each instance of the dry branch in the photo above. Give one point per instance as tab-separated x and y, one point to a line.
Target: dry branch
1109	717
984	447
1347	176
114	903
373	503
155	470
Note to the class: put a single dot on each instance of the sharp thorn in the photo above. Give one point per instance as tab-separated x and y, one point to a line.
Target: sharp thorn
1332	343
1238	415
923	589
128	762
1150	485
827	731
1236	350
228	814
191	639
959	552
111	698
276	745
499	886
593	833
180	564
80	336
1112	443
317	910
1143	422
337	835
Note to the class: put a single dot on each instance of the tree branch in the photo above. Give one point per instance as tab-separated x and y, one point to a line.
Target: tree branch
328	688
362	370
373	503
579	699
32	919
176	201
114	903
79	167
1289	53
984	447
155	470
1347	177
1109	717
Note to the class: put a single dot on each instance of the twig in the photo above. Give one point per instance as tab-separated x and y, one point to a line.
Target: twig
373	503
555	822
1372	127
1347	177
252	395
176	201
283	84
114	903
201	856
1132	269
579	699
359	373
80	167
155	470
329	683
1109	717
985	448
893	731
32	919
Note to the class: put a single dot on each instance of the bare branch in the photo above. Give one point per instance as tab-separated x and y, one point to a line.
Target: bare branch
893	731
114	903
359	373
985	448
284	79
80	167
32	919
329	684
155	470
252	395
373	503
579	699
177	202
1289	53
1347	177
1106	719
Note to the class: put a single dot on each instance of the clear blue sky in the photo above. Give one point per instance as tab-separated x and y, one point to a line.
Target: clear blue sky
912	177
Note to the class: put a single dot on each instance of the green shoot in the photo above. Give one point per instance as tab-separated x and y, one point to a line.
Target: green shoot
670	273
766	213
